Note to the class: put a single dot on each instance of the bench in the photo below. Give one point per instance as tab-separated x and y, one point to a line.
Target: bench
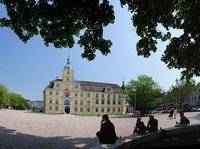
169	136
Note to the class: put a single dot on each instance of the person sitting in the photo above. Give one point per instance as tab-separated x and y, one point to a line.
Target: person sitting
107	134
140	128
152	125
183	120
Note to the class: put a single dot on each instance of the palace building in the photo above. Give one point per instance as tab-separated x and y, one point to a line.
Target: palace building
68	95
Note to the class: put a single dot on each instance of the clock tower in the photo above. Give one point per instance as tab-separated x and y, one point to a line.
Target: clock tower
68	72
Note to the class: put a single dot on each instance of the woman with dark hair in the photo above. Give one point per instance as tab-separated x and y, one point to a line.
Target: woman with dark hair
140	128
183	120
107	134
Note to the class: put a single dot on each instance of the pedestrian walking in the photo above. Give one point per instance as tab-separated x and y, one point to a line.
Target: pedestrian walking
171	113
175	113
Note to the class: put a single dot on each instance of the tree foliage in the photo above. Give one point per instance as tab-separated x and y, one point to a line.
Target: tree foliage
181	90
13	100
17	101
58	22
149	16
148	93
3	95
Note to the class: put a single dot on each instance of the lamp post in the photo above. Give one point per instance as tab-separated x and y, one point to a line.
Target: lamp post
134	89
164	102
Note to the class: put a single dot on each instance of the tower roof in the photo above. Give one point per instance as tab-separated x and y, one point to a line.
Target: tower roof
68	64
123	87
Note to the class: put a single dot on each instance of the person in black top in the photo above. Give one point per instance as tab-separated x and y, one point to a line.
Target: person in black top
152	125
171	113
183	120
140	128
107	134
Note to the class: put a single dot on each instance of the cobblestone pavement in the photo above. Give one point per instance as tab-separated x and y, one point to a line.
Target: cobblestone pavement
25	130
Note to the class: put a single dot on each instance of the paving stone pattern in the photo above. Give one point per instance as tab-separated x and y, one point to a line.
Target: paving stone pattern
26	130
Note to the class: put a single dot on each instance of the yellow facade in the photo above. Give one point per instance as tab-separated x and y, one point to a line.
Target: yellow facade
67	95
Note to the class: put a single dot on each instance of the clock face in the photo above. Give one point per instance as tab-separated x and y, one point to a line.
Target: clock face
67	94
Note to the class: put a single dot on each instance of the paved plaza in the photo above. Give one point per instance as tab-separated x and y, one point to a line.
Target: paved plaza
26	130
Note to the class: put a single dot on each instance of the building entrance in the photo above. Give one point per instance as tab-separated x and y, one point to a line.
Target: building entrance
67	109
66	105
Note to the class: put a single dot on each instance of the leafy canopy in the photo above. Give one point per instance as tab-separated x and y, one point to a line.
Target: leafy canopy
181	90
13	100
3	95
148	93
149	16
58	22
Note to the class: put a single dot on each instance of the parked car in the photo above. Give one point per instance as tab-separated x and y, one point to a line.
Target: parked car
198	110
164	111
153	111
193	109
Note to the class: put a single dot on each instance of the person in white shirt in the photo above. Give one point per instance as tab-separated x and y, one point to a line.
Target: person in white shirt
175	113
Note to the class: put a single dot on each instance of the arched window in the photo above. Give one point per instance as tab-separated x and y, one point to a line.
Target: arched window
67	102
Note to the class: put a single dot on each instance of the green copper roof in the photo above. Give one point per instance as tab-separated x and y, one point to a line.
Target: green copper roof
68	65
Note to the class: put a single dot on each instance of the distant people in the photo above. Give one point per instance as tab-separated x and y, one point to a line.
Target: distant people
171	113
183	120
152	125
175	113
107	134
139	128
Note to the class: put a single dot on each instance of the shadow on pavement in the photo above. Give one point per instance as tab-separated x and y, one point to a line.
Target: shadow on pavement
11	139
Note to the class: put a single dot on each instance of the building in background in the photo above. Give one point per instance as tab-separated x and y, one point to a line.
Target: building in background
68	95
193	100
36	105
195	97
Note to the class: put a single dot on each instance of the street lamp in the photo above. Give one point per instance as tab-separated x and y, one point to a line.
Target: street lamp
134	89
164	99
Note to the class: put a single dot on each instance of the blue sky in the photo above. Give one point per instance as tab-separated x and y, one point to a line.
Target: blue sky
28	68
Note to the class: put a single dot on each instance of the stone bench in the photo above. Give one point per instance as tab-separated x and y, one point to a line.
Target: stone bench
167	137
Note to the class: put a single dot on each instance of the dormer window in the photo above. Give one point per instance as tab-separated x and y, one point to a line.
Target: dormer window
108	89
